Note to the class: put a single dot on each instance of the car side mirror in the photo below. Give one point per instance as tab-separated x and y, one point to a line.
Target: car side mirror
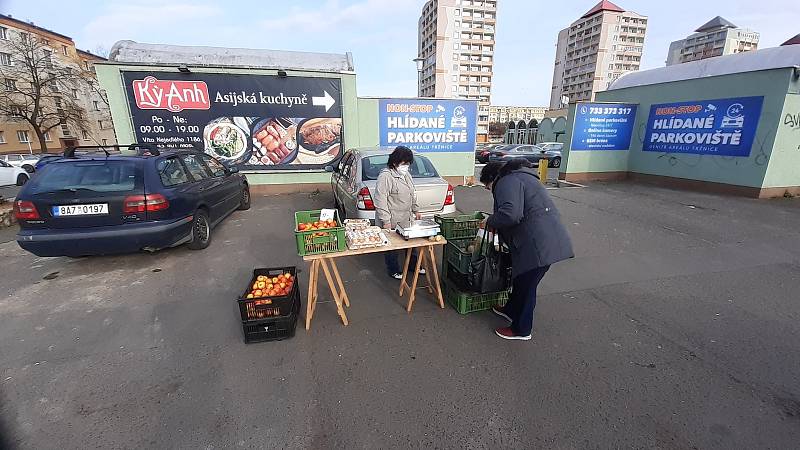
233	170
330	169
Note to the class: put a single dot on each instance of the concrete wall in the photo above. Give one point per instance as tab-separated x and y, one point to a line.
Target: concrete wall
552	129
784	166
738	171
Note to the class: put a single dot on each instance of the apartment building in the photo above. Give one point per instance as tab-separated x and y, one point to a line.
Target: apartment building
716	37
16	135
601	46
456	49
505	114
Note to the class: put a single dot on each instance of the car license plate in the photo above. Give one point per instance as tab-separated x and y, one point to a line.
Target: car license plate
80	210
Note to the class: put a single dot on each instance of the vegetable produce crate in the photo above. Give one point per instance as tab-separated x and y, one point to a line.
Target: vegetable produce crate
457	254
315	242
459	226
467	302
268	306
274	329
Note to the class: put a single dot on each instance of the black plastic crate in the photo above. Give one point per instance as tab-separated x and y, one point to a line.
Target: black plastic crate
275	329
265	307
455	277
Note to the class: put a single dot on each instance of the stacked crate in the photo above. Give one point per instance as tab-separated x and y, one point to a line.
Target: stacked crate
460	230
270	318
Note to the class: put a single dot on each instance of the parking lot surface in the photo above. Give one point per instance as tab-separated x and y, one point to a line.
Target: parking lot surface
676	326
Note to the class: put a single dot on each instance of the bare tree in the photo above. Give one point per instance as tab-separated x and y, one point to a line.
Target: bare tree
497	129
39	89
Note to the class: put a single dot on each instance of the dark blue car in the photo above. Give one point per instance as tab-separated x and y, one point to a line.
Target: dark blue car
98	204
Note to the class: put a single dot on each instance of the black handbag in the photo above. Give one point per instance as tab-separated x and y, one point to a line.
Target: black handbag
490	271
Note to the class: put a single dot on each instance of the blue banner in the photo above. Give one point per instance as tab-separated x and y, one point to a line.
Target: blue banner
603	126
706	127
428	125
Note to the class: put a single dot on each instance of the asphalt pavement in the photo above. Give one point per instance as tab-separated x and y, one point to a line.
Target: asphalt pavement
9	191
676	326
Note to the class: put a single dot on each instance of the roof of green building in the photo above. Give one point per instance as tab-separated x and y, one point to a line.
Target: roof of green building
765	59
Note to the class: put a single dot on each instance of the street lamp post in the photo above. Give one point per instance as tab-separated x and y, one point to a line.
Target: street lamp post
419	62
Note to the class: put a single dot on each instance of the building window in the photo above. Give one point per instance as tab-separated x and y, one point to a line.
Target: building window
65	130
16	111
47	137
23	136
85	135
2	137
456	34
65	50
5	59
457	12
96	105
24	37
75	93
455	78
105	141
4	33
100	124
48	59
11	85
455	46
86	65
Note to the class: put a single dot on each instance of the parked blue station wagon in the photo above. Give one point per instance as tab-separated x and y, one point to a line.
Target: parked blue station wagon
108	200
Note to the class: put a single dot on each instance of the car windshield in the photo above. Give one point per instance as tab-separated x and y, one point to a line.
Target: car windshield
96	176
421	167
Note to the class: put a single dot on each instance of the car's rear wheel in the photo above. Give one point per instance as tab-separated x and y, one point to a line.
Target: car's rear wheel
244	203
22	179
201	231
556	162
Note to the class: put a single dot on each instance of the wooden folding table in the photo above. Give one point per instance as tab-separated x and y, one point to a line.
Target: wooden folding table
327	262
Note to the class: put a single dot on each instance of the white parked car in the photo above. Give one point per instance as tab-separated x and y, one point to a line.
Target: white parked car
12	175
354	180
25	161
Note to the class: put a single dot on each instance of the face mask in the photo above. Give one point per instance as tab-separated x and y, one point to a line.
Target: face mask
403	169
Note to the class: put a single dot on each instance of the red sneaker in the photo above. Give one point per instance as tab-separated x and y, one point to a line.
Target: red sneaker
508	333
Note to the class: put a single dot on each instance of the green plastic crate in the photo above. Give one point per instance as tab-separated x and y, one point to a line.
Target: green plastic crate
459	226
457	255
467	302
307	244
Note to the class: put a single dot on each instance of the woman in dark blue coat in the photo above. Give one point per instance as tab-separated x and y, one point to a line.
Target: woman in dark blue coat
530	225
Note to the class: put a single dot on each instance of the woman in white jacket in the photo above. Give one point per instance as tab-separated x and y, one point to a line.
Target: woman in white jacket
396	202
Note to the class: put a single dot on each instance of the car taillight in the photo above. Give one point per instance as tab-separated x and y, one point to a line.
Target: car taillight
144	203
484	153
364	200
450	198
25	210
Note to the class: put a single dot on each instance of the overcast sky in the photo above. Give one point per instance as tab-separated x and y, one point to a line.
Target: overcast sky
382	34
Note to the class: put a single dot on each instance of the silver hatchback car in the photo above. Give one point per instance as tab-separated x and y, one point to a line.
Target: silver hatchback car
355	177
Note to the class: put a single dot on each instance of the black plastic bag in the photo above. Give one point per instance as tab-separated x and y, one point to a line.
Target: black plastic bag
491	270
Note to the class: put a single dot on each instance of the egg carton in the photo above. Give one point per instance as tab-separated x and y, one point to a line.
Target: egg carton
366	238
357	224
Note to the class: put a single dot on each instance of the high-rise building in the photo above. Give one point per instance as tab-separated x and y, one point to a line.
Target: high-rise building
456	48
59	51
599	47
505	114
716	37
